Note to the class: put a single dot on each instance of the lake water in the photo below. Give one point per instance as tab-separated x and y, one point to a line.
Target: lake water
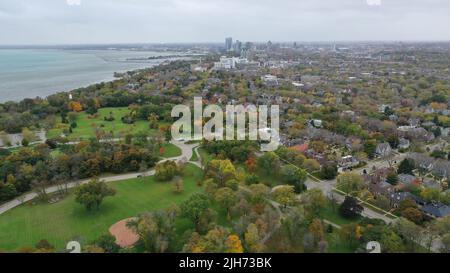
28	73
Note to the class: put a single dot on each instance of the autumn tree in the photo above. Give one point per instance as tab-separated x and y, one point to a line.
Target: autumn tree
217	240
75	106
156	229
166	171
220	171
253	239
285	195
316	229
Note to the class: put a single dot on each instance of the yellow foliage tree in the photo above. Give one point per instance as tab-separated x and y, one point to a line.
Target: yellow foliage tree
75	106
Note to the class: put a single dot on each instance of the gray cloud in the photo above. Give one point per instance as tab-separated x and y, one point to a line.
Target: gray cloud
108	21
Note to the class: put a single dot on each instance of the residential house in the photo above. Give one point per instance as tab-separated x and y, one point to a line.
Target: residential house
408	180
436	210
383	150
348	161
382	188
404	144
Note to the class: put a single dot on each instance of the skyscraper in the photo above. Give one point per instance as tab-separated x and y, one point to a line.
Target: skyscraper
238	46
228	43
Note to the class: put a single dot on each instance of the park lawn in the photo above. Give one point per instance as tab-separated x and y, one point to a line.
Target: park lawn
205	156
85	125
194	156
333	216
171	150
337	246
58	223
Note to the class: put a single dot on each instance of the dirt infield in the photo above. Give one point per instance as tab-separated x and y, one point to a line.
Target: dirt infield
125	237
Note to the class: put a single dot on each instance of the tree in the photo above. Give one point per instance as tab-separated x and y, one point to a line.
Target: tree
253	238
233	244
412	214
329	171
430	194
350	182
316	229
166	171
92	194
195	207
382	202
406	166
285	195
410	233
350	208
370	147
226	198
392	178
258	193
75	106
294	176
311	165
44	245
314	201
178	184
156	229
445	243
349	234
251	164
108	243
269	163
217	240
7	191
220	171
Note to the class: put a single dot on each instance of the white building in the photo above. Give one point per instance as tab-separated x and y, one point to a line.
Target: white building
226	63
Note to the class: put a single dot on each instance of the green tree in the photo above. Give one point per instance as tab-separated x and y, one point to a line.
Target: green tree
350	208
314	201
350	182
406	166
295	177
195	207
370	147
392	178
108	243
269	163
92	194
226	197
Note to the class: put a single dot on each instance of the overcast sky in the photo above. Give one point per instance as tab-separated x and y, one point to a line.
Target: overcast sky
130	21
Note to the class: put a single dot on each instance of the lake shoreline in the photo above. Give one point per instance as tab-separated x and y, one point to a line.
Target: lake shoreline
28	73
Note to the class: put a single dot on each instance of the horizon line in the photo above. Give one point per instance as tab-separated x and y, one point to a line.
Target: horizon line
220	42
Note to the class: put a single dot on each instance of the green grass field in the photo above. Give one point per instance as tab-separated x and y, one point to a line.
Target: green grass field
205	156
66	220
171	150
86	126
334	216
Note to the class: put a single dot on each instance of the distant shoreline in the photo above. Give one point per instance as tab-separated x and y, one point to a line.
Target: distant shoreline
31	73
